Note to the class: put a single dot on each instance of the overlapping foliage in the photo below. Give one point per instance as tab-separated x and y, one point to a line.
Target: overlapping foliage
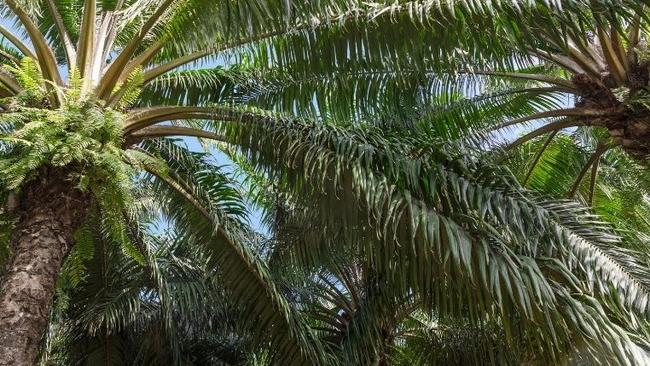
365	133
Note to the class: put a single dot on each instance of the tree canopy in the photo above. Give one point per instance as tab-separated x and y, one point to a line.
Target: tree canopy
411	218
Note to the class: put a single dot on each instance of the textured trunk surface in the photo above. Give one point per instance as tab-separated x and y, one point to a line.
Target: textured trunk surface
628	126
634	136
50	210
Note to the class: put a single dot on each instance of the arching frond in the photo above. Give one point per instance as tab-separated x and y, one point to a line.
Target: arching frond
410	224
199	214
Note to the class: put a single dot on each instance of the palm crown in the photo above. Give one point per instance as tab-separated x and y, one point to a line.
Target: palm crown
421	218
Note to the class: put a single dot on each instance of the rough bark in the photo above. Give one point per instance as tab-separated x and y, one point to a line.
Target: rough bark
628	125
50	211
633	135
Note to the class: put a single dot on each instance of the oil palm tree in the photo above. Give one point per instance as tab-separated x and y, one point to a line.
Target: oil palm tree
112	309
483	71
70	143
409	224
475	74
93	89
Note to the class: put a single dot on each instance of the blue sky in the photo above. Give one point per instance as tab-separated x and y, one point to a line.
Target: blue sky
220	159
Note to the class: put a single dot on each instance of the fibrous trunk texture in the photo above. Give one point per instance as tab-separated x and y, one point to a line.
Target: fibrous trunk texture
627	124
51	209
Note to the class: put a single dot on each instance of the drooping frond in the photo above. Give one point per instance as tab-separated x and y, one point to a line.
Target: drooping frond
199	213
463	225
394	176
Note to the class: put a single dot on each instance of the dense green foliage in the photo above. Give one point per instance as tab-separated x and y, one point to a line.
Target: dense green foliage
401	224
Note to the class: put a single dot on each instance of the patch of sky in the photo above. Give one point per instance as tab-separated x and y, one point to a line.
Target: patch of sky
218	158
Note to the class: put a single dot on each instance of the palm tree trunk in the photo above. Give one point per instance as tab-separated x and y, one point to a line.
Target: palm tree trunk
634	136
50	210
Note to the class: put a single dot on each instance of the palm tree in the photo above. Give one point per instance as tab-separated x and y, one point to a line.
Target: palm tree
480	69
111	309
70	144
438	215
426	217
